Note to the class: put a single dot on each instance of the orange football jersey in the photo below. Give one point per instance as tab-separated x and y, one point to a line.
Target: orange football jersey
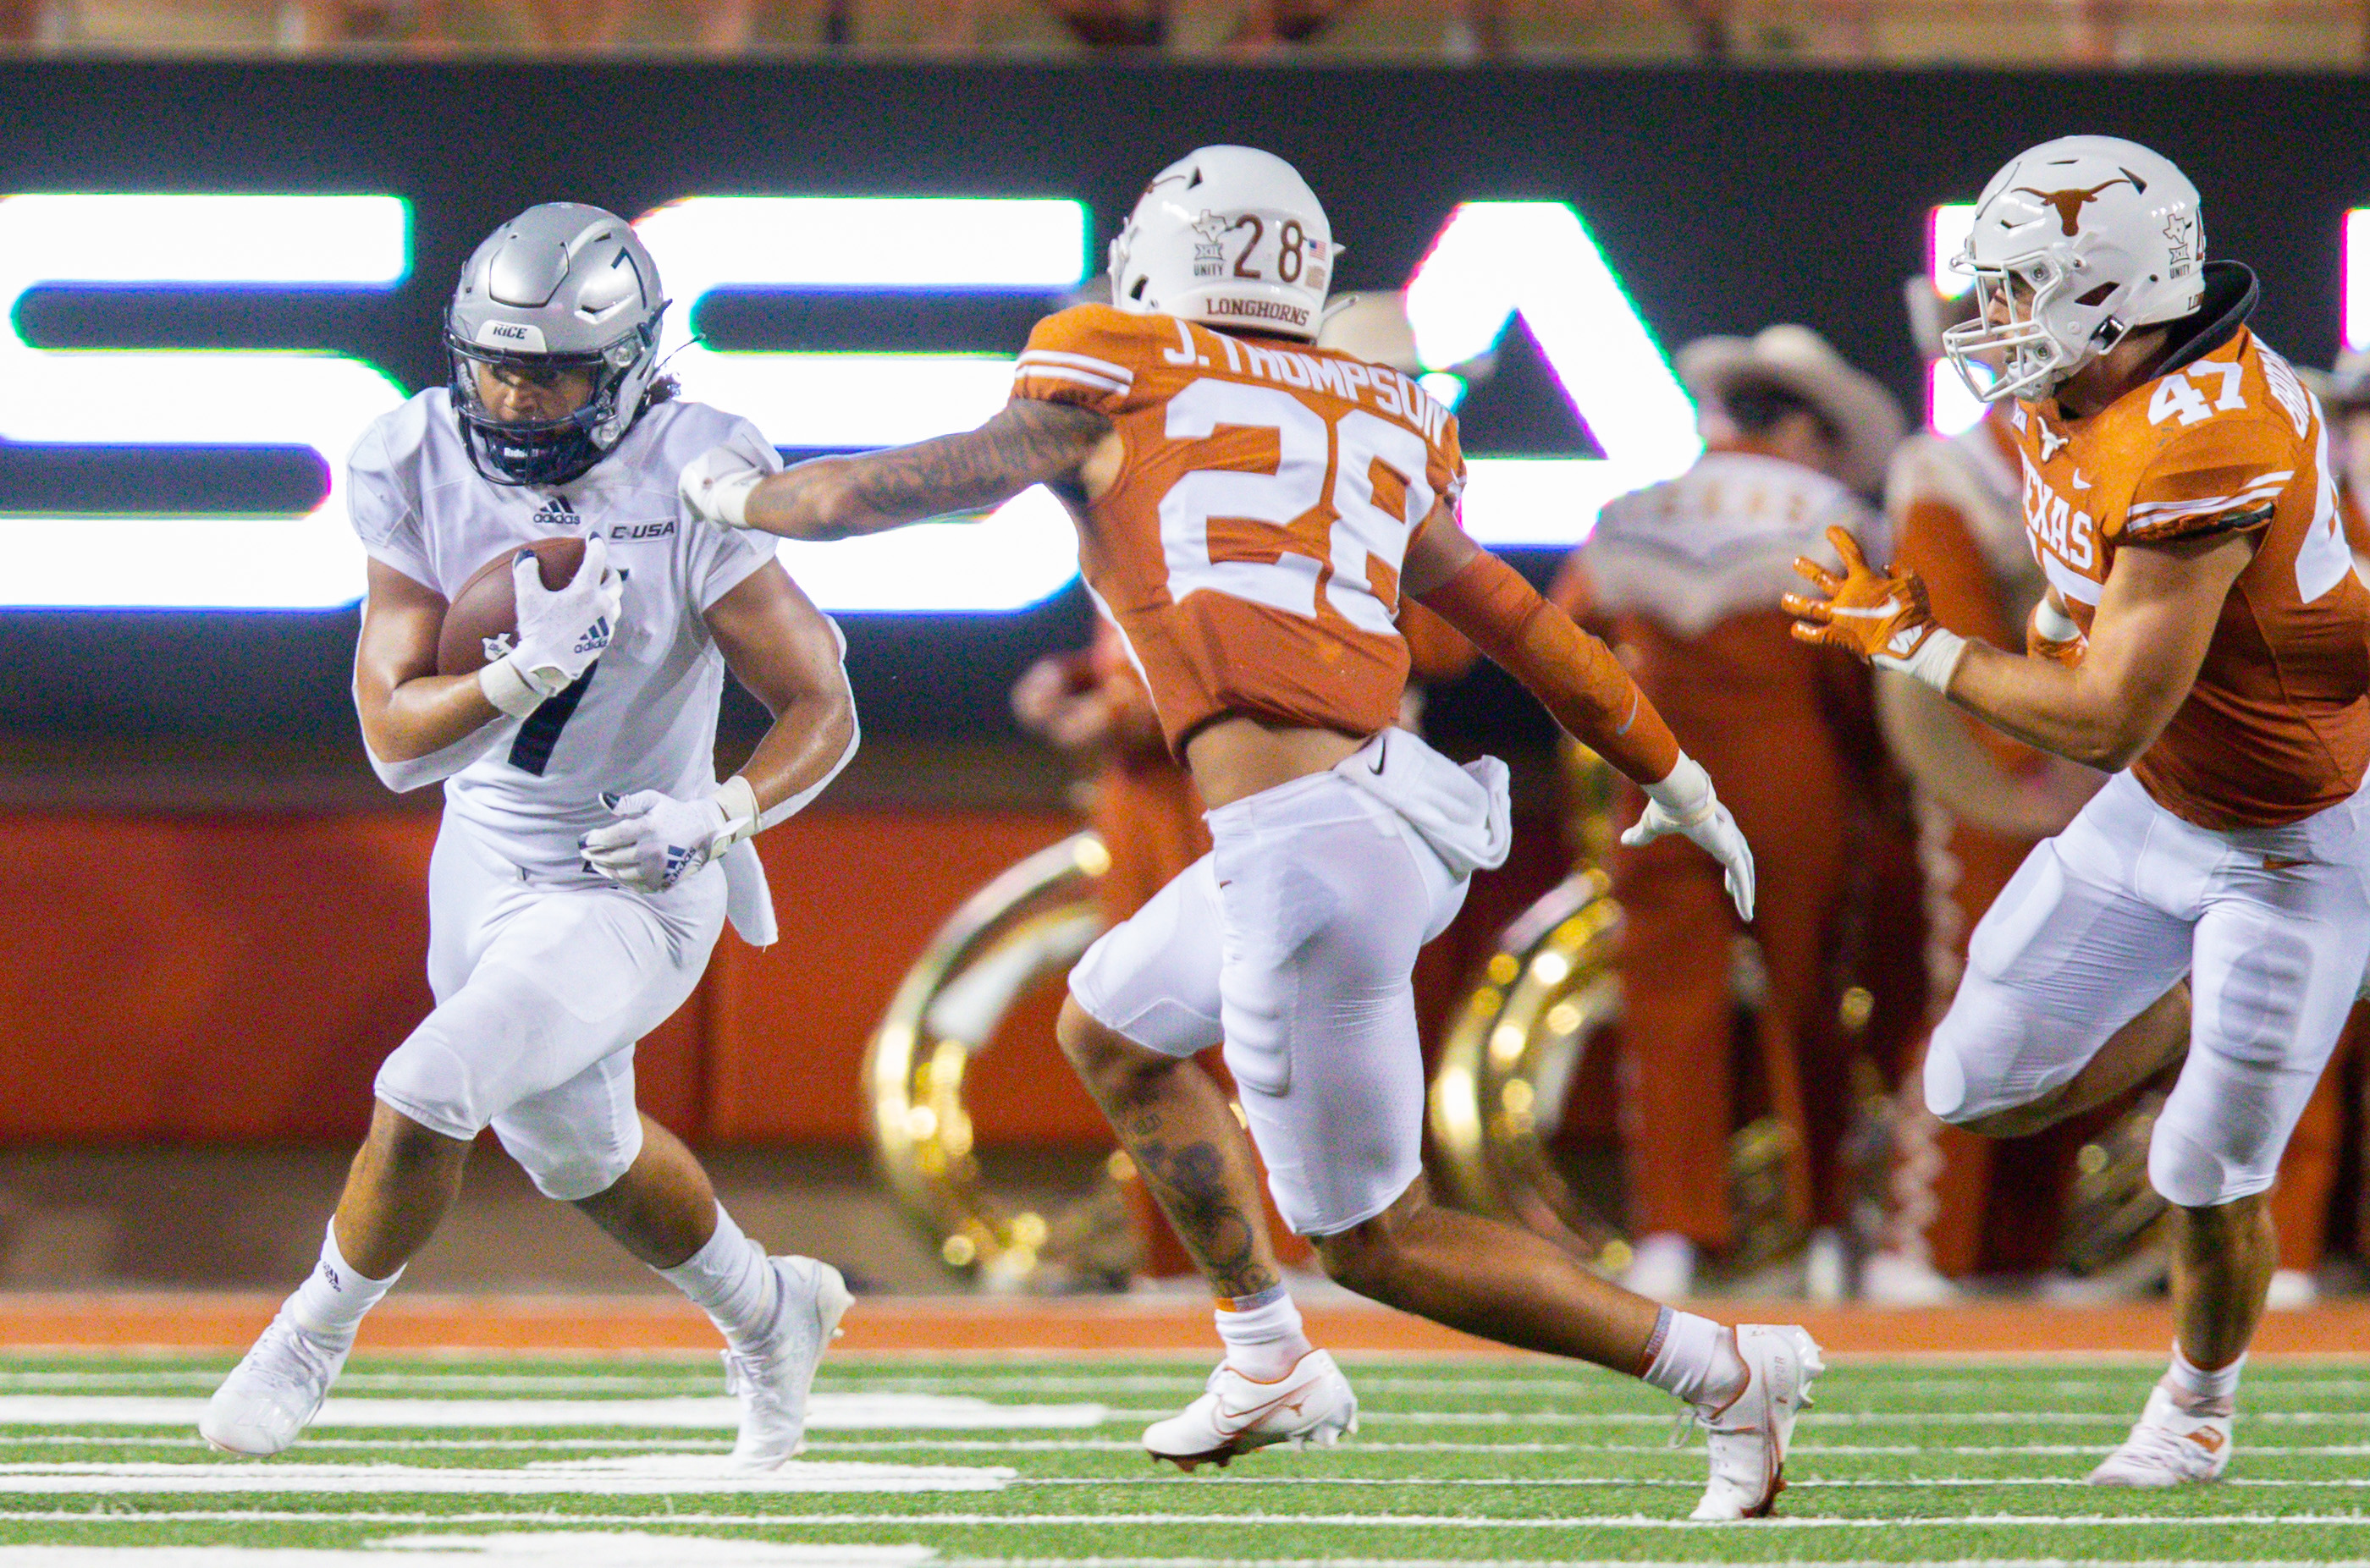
2277	726
1249	549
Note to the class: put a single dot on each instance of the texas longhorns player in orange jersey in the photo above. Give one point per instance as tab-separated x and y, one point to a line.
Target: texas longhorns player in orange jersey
1250	508
2205	638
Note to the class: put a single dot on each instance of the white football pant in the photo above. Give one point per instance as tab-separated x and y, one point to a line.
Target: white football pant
1293	941
541	992
2271	924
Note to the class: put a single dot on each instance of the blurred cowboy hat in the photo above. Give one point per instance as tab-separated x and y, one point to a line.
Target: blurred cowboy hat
1800	361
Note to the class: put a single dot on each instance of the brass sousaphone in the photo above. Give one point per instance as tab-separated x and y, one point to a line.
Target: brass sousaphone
1027	927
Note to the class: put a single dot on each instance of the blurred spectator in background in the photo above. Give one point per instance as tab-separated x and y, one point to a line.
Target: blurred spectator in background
1984	800
2346	393
1684	578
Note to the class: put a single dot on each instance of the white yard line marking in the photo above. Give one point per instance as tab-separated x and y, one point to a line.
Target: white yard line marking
1345	1521
828	1412
645	1476
576	1549
1693	1483
1128	1445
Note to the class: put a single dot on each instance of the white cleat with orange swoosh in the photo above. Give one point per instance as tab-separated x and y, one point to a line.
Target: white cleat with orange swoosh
1311	1403
2170	1447
1748	1436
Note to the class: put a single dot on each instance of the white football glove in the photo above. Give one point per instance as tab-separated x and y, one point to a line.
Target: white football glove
656	839
716	486
561	631
1684	803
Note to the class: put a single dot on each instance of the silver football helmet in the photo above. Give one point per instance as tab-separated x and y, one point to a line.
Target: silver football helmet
560	286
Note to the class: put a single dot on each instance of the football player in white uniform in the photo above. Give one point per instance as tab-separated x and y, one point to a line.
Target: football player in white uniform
588	855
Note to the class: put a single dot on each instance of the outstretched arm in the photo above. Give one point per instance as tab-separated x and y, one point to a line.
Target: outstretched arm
1581	684
1573	675
1030	441
2147	639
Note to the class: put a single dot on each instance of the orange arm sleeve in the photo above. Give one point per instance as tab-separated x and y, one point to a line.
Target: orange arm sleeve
1574	677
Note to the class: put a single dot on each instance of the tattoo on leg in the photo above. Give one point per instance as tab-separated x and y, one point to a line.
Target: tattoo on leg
1191	1185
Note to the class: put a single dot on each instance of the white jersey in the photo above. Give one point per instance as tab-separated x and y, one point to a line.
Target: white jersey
644	717
1720	539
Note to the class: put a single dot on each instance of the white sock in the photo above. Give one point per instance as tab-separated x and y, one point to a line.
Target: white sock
2201	1392
1694	1358
729	1280
1263	1336
330	1303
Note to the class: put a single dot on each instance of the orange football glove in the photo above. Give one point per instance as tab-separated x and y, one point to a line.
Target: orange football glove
1884	620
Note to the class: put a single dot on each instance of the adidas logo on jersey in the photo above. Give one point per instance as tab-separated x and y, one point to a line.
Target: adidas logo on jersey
557	513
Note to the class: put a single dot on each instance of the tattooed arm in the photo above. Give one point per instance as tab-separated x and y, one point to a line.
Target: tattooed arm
1030	443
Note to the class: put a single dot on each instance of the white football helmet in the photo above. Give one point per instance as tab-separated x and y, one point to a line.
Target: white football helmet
1230	237
2076	243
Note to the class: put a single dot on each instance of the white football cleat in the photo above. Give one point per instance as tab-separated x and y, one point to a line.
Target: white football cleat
2170	1447
1311	1403
275	1392
1748	1436
772	1382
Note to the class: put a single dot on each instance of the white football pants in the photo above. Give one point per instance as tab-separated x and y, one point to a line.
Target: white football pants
1293	941
2271	924
541	992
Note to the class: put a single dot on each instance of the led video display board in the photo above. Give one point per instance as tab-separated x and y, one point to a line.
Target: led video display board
215	275
1491	263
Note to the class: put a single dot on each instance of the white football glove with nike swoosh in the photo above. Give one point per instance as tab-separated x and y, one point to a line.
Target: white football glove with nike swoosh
561	631
717	482
658	840
1684	803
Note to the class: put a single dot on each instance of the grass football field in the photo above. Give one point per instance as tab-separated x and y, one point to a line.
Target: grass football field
590	1460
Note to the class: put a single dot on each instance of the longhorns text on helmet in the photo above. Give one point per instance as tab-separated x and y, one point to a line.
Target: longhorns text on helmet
1230	237
562	285
2074	244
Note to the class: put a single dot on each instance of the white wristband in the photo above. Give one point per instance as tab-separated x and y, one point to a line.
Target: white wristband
508	689
1934	662
736	798
1684	793
2053	624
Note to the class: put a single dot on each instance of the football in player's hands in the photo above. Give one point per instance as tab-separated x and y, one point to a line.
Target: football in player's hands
481	624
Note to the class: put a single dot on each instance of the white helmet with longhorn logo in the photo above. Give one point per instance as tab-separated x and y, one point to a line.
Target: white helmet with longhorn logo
2076	243
1231	237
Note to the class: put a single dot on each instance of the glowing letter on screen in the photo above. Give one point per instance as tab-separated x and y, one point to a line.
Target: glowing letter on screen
191	398
1496	258
2355	274
1950	408
912	245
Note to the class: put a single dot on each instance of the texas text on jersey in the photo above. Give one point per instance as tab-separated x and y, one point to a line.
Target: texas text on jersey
1249	549
2224	439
